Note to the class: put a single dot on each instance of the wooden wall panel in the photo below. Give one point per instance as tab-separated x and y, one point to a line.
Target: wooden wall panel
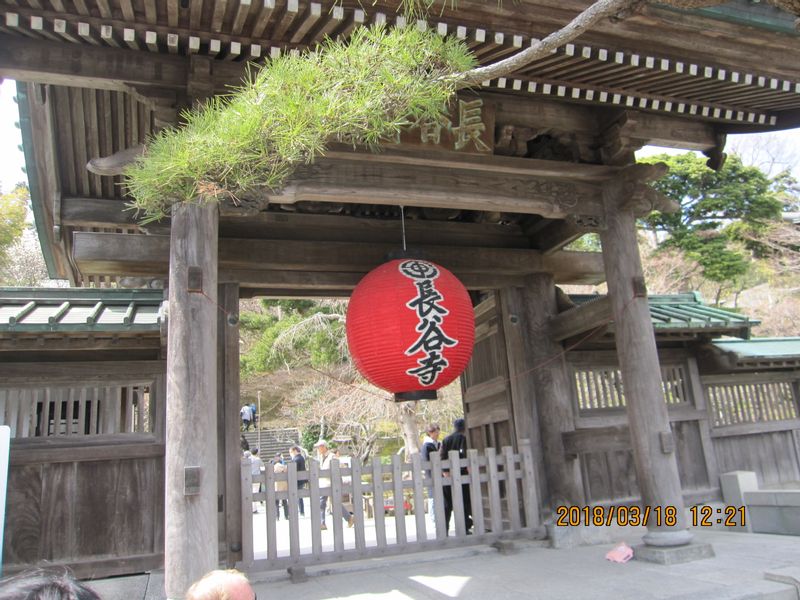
23	515
691	462
773	456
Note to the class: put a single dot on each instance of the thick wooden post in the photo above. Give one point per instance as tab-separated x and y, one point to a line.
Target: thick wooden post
553	391
230	449
191	546
651	436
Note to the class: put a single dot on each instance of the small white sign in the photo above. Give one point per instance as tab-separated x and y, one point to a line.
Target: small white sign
5	447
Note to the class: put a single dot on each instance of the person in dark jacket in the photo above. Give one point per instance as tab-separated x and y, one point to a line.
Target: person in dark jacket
456	441
297	458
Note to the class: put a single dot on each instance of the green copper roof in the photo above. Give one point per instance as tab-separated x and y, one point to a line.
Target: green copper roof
688	312
756	348
33	310
753	13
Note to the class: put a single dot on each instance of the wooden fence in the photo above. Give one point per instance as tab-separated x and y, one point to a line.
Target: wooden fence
720	423
500	485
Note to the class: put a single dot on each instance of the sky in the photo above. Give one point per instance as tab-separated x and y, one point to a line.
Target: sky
760	149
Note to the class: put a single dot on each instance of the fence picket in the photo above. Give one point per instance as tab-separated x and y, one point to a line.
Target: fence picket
314	508
45	431
268	479
377	501
495	510
294	511
399	501
358	504
417	477
512	494
12	410
475	491
438	495
26	411
248	555
337	507
456	493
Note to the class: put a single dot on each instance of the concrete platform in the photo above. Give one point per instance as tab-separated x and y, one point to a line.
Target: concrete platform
534	572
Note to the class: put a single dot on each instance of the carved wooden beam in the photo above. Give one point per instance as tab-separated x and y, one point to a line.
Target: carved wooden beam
99	67
581	319
147	256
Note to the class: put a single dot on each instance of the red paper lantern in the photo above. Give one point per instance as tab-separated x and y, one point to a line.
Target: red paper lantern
410	328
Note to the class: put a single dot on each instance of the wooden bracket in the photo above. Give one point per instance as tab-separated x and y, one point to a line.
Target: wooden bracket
191	481
667	442
194	283
639	287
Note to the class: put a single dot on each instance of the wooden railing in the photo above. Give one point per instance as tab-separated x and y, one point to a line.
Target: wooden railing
80	410
500	485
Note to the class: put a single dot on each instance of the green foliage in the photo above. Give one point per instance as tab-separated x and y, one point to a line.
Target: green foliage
289	306
711	202
313	337
586	243
13	209
362	91
309	436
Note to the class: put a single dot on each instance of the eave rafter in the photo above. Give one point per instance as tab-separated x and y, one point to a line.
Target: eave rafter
595	71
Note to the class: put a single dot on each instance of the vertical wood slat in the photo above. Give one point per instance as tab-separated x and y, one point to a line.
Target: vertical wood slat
314	500
475	491
128	425
70	411
358	504
417	476
248	555
456	493
512	495
46	413
335	503
294	512
116	408
377	500
495	510
399	500
82	411
12	411
26	413
438	496
3	405
94	412
268	477
140	418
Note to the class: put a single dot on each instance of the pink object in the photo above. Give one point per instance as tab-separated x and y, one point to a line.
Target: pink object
621	554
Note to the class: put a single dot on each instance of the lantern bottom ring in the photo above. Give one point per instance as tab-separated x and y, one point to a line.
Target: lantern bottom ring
417	395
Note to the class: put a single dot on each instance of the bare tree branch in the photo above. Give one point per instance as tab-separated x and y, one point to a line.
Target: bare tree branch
585	20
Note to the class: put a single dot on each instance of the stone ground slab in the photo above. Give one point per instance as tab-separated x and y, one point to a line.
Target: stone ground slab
533	572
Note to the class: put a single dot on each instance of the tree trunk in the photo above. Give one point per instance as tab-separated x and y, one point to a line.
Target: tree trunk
408	424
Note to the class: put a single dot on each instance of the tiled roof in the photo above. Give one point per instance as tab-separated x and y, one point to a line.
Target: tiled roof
687	312
32	310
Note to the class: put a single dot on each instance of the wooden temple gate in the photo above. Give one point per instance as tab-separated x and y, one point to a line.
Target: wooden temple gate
550	158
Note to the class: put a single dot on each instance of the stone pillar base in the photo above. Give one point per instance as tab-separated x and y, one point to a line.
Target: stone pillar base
672	555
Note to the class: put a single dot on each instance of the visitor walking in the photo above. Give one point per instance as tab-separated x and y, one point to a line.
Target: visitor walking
325	456
298	459
256	467
456	441
246	412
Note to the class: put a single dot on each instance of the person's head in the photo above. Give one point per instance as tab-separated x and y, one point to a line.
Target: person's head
254	451
45	584
278	457
221	585
295	450
322	447
433	430
459	425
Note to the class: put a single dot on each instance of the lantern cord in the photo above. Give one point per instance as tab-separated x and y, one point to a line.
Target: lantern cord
403	225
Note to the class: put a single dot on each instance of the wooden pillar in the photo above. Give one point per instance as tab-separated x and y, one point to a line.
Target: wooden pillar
651	436
553	391
191	538
230	450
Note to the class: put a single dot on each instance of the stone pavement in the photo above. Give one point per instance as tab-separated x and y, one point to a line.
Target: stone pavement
533	572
